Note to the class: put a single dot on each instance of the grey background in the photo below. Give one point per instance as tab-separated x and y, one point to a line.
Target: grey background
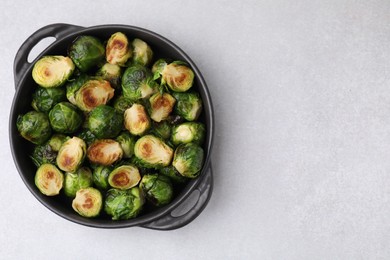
301	157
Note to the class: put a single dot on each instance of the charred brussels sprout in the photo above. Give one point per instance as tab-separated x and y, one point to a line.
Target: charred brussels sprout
188	159
100	177
124	177
173	174
152	152
71	154
56	141
49	180
73	86
157	189
86	52
105	122
137	82
123	204
74	181
65	118
45	98
142	53
136	119
188	105
161	106
111	73
118	50
104	152
93	93
127	142
52	71
43	154
87	136
176	75
88	202
188	132
34	126
121	104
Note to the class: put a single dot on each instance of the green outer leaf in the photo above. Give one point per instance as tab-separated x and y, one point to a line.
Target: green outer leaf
87	52
188	159
65	118
105	122
34	126
45	98
123	204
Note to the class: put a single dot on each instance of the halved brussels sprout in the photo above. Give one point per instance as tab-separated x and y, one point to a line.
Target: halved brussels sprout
136	119
56	141
161	106
104	152
73	86
127	142
100	177
188	132
93	93
105	122
162	129
123	204
173	174
118	50
121	104
158	68
87	52
49	179
111	73
80	179
34	126
88	202
137	82
52	71
124	177
188	159
87	136
142	53
188	105
44	99
65	118
157	189
43	154
71	154
177	76
152	152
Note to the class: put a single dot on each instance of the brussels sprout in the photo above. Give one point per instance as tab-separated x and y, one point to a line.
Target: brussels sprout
44	99
142	53
111	73
43	154
105	122
88	202
121	104
158	68
127	142
49	180
162	129
152	152
52	71
118	50
100	177
71	154
93	93
86	52
188	132
65	118
188	159
87	136
136	119
161	106
104	152
137	82
124	177
188	105
56	141
173	174
157	189
123	204
80	179
176	75
73	86
34	126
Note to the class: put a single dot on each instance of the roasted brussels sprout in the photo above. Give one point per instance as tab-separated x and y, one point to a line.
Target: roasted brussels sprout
157	189
65	118
173	174
161	106
188	105
142	53
73	86
123	204
81	178
43	154
71	154
34	126
111	73
100	177
162	129
93	93
127	142
137	82
88	202
124	177
87	136
121	104
176	75
158	68
56	141
104	152
188	159
188	132
152	152
118	50
49	180
136	119
87	52
52	71
44	99
105	122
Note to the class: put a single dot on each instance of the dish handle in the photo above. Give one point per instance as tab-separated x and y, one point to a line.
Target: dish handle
57	30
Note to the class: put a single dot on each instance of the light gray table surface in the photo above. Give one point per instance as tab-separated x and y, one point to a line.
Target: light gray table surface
301	93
